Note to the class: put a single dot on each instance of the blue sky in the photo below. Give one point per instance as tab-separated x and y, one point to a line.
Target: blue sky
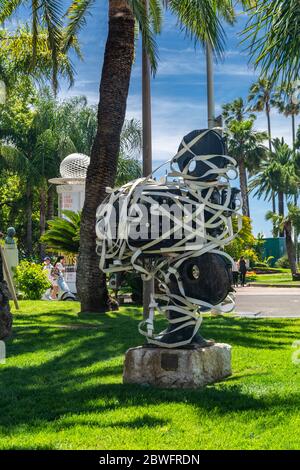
179	88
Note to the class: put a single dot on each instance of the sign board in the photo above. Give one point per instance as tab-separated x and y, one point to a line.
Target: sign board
70	197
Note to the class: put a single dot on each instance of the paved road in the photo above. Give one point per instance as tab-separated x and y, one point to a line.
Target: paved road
268	301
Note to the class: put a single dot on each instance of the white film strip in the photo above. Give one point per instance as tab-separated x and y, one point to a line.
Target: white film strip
119	254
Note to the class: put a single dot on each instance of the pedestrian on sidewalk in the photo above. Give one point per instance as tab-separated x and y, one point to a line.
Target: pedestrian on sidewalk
243	270
235	273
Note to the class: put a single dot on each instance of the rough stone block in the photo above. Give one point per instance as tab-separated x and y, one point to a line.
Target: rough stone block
177	368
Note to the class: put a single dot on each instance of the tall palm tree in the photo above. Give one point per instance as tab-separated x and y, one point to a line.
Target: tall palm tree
277	175
201	20
227	13
286	225
236	110
284	100
261	98
29	147
16	55
45	14
246	146
273	32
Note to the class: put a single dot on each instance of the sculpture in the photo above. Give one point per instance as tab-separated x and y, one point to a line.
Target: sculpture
174	231
9	239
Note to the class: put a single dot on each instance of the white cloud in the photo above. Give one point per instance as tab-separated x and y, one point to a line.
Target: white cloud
172	119
280	125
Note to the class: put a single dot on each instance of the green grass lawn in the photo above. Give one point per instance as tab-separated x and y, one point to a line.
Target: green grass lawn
61	387
280	279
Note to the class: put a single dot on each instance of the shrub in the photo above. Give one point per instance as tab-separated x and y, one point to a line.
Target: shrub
283	262
31	280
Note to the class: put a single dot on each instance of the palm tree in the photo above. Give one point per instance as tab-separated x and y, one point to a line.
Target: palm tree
237	111
261	97
285	102
26	149
47	14
63	234
16	56
129	164
246	146
286	225
277	175
19	74
273	31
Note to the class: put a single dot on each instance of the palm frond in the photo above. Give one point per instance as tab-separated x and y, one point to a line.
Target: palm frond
7	8
52	16
63	234
146	21
273	33
201	20
76	13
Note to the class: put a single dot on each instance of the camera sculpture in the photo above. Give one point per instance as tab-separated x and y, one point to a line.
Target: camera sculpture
174	230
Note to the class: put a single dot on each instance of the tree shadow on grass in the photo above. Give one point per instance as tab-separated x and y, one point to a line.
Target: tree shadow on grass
256	333
79	371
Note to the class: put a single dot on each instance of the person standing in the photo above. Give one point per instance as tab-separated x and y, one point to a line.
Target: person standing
60	269
48	268
243	270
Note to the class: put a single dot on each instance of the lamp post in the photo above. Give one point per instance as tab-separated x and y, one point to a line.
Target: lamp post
148	286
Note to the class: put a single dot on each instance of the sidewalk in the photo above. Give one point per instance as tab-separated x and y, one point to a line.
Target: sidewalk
270	302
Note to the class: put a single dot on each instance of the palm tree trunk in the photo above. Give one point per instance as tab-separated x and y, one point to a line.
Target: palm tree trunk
43	205
118	59
244	187
148	286
273	203
50	203
29	219
293	130
290	248
281	203
281	209
296	195
269	127
270	149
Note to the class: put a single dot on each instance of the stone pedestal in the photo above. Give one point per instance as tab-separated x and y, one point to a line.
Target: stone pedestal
177	368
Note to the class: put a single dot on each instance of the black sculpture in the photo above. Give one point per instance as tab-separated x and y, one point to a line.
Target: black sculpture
174	231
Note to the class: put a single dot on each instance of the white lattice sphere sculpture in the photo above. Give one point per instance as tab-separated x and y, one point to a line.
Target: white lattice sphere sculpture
74	166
